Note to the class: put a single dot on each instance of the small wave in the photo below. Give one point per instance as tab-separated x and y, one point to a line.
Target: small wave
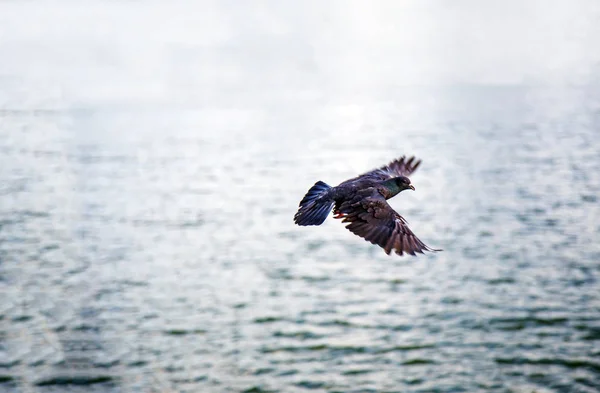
358	372
526	322
501	280
417	362
311	384
257	389
592	334
267	319
347	348
74	380
568	363
302	335
183	332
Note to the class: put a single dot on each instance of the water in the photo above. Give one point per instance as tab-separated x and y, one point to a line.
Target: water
152	157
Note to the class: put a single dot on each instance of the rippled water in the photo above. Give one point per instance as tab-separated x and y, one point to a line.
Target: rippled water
152	157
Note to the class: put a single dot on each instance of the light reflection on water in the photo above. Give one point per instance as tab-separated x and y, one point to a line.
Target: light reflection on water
150	176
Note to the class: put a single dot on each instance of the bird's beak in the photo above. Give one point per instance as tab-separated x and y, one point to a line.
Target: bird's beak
412	187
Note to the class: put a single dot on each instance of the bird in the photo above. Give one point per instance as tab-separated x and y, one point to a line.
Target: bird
361	202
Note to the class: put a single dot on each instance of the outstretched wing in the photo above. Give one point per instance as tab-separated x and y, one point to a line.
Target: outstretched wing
399	167
373	219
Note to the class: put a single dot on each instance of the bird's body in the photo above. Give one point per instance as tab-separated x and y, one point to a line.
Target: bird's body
361	202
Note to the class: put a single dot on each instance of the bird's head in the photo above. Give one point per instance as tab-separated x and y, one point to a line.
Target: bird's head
403	183
396	185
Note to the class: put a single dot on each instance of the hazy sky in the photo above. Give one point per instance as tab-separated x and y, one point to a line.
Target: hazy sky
108	49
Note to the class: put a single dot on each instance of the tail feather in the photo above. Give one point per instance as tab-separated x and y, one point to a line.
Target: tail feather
315	206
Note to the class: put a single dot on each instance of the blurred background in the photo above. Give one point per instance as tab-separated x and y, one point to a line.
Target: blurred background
153	154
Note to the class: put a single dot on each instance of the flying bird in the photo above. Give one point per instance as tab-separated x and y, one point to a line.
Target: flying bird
362	203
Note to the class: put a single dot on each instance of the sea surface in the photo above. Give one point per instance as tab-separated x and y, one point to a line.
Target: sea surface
153	154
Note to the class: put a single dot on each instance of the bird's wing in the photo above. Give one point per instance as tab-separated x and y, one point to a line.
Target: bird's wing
399	167
373	219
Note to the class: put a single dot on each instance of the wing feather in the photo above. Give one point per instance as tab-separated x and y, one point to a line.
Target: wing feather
399	167
373	219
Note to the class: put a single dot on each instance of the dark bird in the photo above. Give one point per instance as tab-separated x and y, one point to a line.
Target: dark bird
361	202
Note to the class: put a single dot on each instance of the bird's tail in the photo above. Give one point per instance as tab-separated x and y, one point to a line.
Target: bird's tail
315	206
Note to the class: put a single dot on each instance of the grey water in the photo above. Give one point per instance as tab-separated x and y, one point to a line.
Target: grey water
153	154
